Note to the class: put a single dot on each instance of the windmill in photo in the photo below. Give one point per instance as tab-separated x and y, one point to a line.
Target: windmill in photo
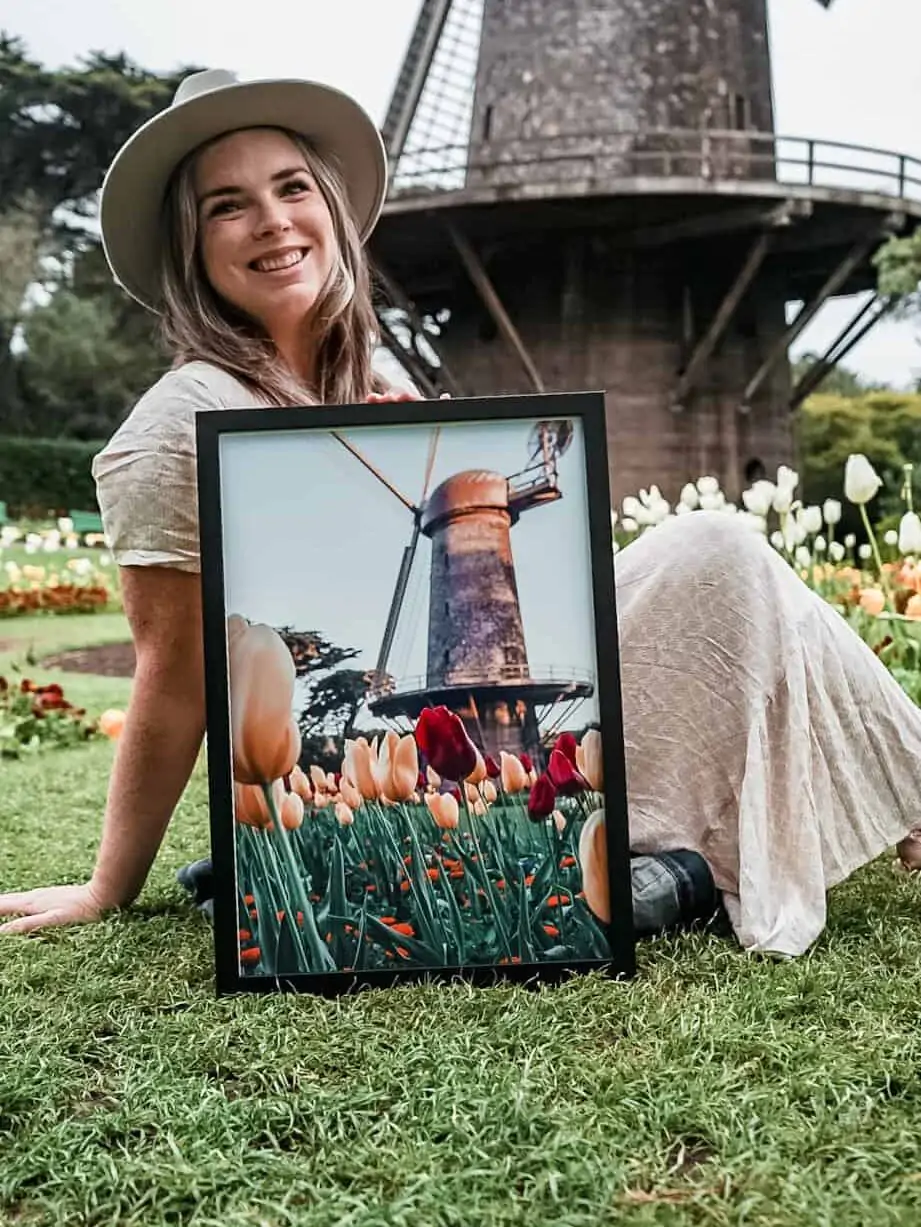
591	194
477	659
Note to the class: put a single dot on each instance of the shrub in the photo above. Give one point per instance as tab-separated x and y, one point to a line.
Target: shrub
42	476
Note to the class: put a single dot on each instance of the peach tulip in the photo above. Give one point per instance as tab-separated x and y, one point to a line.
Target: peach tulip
359	765
444	809
514	776
913	608
250	806
433	778
397	770
301	785
349	793
344	815
589	760
473	794
292	811
872	601
478	774
111	723
490	792
266	739
318	778
593	860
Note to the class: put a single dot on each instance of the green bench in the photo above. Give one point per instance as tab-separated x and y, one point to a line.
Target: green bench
86	522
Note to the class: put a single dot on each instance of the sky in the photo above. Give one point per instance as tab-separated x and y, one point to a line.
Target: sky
851	73
312	540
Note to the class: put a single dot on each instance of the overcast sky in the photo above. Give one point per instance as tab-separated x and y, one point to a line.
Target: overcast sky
851	74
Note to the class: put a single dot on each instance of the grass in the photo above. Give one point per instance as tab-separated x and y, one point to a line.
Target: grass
714	1089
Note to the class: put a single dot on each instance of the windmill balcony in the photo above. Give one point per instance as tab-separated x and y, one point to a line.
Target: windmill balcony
656	159
555	678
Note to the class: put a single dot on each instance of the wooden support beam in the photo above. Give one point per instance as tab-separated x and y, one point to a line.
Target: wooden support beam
841	347
715	222
721	320
493	303
399	298
809	311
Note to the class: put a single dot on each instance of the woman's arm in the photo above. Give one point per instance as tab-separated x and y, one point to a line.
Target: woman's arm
156	752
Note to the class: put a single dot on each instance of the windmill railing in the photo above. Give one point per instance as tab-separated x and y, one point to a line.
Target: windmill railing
710	155
508	675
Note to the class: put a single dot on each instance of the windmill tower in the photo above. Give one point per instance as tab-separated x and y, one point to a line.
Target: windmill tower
477	660
591	194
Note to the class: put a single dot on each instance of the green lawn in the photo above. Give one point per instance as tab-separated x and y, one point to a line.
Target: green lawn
715	1089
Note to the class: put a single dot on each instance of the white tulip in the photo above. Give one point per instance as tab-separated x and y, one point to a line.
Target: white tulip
658	512
730	509
891	537
783	500
777	540
630	506
688	496
759	498
861	481
713	502
802	556
66	524
850	540
836	551
757	523
708	485
811	519
628	525
831	511
910	533
864	552
613	518
820	544
682	509
787	478
793	533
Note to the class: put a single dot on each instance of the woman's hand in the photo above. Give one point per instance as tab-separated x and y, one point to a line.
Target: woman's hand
49	906
399	394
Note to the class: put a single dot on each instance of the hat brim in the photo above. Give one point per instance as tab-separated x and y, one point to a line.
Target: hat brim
133	191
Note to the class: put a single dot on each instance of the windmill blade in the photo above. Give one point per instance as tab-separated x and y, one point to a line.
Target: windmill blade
430	464
396	603
350	447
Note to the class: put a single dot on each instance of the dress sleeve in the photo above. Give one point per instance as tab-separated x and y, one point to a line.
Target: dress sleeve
147	481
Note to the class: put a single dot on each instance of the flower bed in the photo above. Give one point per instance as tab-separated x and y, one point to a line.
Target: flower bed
53	572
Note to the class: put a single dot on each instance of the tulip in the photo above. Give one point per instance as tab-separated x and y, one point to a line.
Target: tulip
473	793
783	500
593	861
478	808
542	801
590	760
444	810
891	536
490	792
777	540
344	815
565	778
266	740
349	793
111	723
301	785
442	738
831	512
708	486
629	525
514	776
492	767
360	766
479	772
559	821
872	601
802	557
836	551
811	519
292	811
759	499
397	767
861	481
566	744
433	778
913	608
910	533
527	762
250	806
688	497
787	478
318	778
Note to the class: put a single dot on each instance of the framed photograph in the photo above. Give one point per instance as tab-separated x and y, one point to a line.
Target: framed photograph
415	742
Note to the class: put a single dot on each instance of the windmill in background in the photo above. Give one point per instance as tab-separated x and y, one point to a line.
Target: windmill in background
593	195
477	660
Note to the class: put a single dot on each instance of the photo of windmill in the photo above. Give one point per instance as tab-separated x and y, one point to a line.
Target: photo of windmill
453	813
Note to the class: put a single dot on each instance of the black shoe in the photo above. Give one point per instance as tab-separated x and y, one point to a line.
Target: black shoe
198	880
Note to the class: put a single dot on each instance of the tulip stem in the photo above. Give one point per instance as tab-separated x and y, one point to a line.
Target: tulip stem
487	882
884	583
325	961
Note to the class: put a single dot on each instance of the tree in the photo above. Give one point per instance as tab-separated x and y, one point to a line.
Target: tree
840	380
899	268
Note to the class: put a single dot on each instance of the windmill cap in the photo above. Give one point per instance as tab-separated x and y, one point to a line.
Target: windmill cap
215	103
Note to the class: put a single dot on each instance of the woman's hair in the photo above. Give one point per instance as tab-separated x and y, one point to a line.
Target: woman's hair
199	325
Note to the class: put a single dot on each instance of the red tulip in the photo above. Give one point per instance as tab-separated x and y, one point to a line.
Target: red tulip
566	779
527	762
542	800
566	744
442	738
492	767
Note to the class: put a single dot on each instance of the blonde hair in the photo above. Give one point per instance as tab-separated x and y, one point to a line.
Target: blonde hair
199	325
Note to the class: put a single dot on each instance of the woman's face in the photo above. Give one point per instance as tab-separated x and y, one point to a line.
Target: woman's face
265	232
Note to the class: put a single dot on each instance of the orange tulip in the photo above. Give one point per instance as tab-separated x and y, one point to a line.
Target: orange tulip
444	809
301	785
112	722
397	770
292	812
478	774
514	776
266	740
589	760
344	815
359	765
349	793
249	803
318	778
872	601
593	860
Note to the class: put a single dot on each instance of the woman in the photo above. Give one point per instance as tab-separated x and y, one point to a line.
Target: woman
762	735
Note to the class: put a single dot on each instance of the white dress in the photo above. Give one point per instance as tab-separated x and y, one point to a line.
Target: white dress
760	731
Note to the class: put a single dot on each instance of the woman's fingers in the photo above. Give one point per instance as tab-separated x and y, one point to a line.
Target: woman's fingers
28	924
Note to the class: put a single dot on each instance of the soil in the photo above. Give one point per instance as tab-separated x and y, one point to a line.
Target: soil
105	660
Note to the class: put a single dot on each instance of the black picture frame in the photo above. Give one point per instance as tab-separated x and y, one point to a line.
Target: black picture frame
212	428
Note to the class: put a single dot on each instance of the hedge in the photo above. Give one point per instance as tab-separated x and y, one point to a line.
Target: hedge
38	476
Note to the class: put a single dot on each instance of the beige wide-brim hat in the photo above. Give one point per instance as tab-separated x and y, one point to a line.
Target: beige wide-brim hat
211	104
